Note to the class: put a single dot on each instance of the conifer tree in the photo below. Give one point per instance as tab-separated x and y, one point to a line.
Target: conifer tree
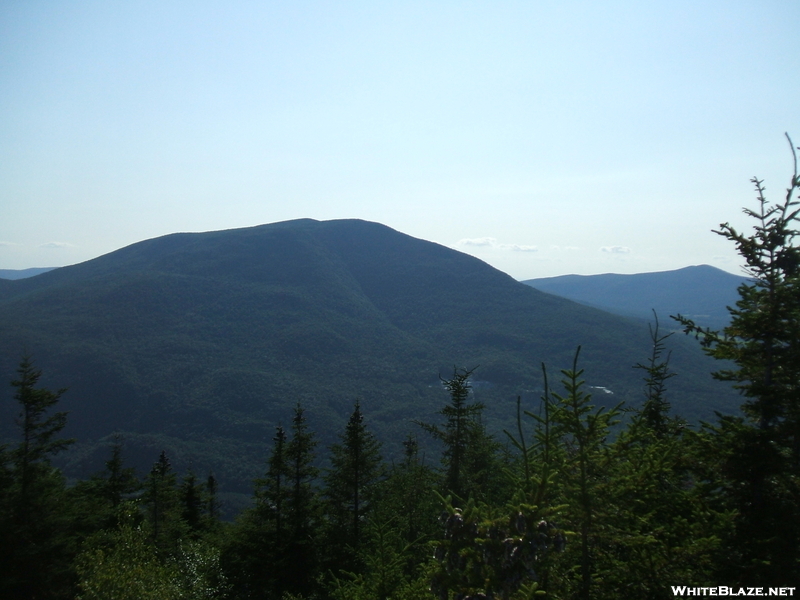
98	499
193	501
212	503
654	415
760	454
349	488
163	507
657	528
583	431
255	554
272	492
35	554
407	495
120	481
302	518
469	456
39	432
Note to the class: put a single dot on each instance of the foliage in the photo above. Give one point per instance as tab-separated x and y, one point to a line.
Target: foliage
272	549
34	527
583	432
350	489
162	502
469	457
124	564
492	552
761	453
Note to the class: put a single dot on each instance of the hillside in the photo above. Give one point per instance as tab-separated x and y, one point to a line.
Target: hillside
200	343
23	273
700	292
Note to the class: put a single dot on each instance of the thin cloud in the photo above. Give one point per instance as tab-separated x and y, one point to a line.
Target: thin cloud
484	241
518	248
490	242
8	244
616	249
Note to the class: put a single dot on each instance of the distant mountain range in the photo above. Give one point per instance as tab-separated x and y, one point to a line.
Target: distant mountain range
23	273
701	293
201	343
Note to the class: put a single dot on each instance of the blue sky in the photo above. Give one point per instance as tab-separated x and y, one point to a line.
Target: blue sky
543	137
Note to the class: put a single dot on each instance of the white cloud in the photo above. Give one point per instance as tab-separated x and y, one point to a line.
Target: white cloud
518	248
484	241
616	249
8	244
490	242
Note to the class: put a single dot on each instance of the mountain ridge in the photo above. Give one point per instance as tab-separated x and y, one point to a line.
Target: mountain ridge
700	292
202	342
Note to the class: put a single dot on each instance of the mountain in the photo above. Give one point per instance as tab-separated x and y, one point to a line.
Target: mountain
701	293
23	273
200	343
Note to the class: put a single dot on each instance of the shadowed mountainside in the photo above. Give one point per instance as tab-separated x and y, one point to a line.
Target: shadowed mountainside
201	343
23	273
700	293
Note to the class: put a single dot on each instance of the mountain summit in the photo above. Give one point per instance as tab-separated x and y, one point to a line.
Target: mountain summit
201	343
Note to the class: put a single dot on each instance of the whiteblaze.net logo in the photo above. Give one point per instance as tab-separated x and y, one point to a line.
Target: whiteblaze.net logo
723	590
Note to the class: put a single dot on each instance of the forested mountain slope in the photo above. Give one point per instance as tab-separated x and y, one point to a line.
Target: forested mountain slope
201	343
700	292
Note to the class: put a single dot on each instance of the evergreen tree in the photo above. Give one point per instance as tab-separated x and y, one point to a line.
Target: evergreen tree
583	432
39	432
36	549
303	510
97	501
120	481
760	454
162	501
256	554
193	502
469	456
212	503
657	529
272	549
350	489
407	496
654	415
273	491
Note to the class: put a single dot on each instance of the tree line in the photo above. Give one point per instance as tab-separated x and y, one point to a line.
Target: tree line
578	501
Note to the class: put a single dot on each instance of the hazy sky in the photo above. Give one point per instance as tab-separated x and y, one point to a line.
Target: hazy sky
543	137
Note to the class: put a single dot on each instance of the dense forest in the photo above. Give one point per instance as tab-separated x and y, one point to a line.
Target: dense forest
576	501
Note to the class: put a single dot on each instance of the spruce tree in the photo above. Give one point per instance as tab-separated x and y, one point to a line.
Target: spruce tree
302	517
760	453
193	501
583	431
272	491
34	560
469	456
212	503
349	489
161	498
121	481
255	553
